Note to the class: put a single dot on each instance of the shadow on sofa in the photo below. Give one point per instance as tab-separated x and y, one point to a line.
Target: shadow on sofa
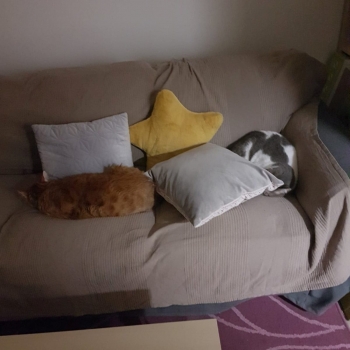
136	300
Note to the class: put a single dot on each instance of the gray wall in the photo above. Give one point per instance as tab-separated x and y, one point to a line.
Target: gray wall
36	34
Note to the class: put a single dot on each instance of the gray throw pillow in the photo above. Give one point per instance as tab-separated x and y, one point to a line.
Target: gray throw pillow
209	180
88	147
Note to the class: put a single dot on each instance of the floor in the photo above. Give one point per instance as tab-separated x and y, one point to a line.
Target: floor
261	323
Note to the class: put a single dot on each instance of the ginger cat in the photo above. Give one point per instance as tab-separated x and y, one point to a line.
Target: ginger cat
118	191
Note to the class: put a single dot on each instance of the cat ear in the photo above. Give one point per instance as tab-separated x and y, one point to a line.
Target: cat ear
23	194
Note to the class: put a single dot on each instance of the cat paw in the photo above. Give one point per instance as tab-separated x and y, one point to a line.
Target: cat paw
278	193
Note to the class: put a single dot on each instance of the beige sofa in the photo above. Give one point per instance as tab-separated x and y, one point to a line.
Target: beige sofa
51	267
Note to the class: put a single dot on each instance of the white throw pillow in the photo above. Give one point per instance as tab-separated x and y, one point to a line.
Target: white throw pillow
209	180
88	147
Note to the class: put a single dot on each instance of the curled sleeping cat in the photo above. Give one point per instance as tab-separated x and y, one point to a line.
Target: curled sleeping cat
273	152
118	191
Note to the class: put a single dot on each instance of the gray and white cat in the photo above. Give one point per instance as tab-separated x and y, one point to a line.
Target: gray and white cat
273	152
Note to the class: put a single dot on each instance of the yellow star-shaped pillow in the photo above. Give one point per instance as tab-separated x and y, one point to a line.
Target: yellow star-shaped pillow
172	129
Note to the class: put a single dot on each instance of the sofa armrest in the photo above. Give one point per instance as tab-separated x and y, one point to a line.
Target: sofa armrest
323	190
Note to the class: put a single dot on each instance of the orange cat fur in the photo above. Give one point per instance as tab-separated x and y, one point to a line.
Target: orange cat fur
118	191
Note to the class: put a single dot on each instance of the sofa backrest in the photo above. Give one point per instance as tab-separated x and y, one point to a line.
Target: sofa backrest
253	92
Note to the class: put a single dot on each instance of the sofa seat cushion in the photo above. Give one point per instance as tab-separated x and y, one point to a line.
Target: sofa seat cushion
52	267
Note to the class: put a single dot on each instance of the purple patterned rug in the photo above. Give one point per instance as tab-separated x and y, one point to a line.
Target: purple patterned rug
269	323
266	323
